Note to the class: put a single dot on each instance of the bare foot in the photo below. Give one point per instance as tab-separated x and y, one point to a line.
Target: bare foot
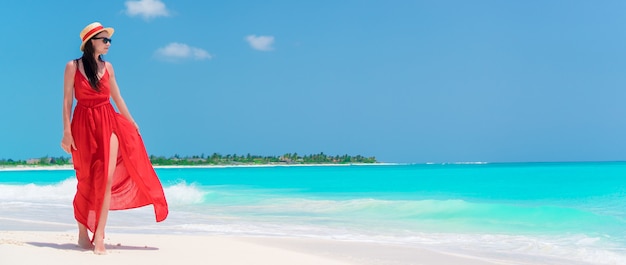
85	243
99	248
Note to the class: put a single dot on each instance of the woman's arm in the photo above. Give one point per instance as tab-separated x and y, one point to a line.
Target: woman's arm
68	99
117	96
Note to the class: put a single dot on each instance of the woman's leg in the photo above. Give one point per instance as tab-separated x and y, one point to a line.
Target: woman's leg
99	233
83	237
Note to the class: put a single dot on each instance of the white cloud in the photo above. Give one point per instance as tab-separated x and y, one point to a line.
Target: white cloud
146	8
261	43
179	51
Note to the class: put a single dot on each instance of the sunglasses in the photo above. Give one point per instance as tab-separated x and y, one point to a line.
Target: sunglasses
104	39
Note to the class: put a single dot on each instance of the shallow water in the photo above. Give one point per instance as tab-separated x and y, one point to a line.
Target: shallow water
573	213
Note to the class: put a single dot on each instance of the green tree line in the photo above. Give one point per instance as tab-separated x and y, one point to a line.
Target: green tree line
214	159
46	160
248	159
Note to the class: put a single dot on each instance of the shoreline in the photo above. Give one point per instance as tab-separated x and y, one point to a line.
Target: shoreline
39	247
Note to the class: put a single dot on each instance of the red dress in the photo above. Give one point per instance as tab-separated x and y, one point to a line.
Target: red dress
135	183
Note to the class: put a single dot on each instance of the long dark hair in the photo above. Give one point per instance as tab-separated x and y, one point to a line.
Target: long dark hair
91	65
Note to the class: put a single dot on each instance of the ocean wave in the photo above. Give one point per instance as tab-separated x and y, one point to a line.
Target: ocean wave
442	215
180	193
58	192
184	194
452	215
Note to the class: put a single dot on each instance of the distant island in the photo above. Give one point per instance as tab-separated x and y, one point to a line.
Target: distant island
214	159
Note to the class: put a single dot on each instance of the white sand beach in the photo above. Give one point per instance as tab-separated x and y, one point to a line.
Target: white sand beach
49	247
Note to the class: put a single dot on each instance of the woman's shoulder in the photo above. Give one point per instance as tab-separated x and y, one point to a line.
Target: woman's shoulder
109	67
71	66
72	63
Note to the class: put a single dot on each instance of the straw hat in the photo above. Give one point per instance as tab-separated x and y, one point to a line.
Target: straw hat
91	30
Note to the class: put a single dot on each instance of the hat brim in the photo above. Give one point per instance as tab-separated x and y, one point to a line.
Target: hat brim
109	30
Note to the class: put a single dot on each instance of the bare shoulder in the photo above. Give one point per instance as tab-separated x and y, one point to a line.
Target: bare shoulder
70	69
70	65
109	67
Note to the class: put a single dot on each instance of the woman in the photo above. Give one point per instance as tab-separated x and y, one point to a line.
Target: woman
110	160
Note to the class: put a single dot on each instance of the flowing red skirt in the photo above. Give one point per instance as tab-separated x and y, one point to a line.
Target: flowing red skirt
134	183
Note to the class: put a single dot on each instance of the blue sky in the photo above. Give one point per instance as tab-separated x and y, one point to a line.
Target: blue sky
405	81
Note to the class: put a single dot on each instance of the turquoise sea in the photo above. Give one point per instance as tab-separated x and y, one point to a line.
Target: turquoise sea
540	213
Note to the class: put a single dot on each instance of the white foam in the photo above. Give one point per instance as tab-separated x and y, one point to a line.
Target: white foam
64	191
184	194
60	192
